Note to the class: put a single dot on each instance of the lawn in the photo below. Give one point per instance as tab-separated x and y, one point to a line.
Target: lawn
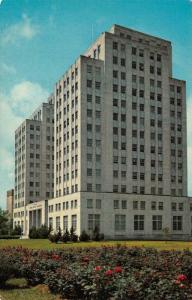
46	244
18	289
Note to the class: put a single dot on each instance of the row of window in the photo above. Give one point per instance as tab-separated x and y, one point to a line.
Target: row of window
67	81
136	51
139	222
94	220
65	222
74	104
135	65
65	206
74	174
66	190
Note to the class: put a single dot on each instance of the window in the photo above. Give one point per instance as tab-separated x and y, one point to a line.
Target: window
97	99
115	102
115	88
89	98
135	204
181	206
141	52
89	203
65	223
98	172
115	173
123	174
158	71
141	67
98	203
139	222
115	74
57	223
124	204
123	62
174	206
142	205
115	60
153	205
74	222
89	83
123	89
97	85
115	188
123	189
89	113
89	127
160	205
134	65
115	46
134	78
93	221
157	222
89	142
120	222
116	204
123	75
89	187
134	50
159	57
177	222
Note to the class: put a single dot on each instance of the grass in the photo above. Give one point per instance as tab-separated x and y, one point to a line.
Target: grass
46	244
18	289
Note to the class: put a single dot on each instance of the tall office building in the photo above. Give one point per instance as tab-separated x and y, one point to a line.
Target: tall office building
120	141
34	159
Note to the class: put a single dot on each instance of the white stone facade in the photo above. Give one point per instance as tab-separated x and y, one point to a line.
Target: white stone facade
119	137
34	159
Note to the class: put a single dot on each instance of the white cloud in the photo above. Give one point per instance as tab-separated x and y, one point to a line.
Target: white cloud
7	69
15	106
26	96
21	30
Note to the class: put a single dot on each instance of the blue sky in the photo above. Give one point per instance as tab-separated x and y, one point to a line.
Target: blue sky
40	39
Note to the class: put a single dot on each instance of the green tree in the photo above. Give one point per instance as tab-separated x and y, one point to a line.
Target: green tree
4	222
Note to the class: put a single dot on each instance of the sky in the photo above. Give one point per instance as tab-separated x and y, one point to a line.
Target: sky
40	39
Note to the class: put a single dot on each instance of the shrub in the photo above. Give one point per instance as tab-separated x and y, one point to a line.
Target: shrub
66	236
39	233
9	237
84	237
97	236
33	233
54	237
17	230
104	272
43	232
73	235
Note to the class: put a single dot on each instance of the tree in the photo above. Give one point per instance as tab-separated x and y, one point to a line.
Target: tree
4	222
73	235
66	236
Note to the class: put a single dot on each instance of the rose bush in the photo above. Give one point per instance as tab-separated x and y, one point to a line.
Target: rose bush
103	273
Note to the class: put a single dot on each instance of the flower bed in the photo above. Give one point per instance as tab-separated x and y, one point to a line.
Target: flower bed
103	273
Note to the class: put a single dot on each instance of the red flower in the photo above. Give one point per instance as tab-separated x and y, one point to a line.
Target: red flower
55	257
109	272
177	282
181	286
86	259
118	269
98	268
181	277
